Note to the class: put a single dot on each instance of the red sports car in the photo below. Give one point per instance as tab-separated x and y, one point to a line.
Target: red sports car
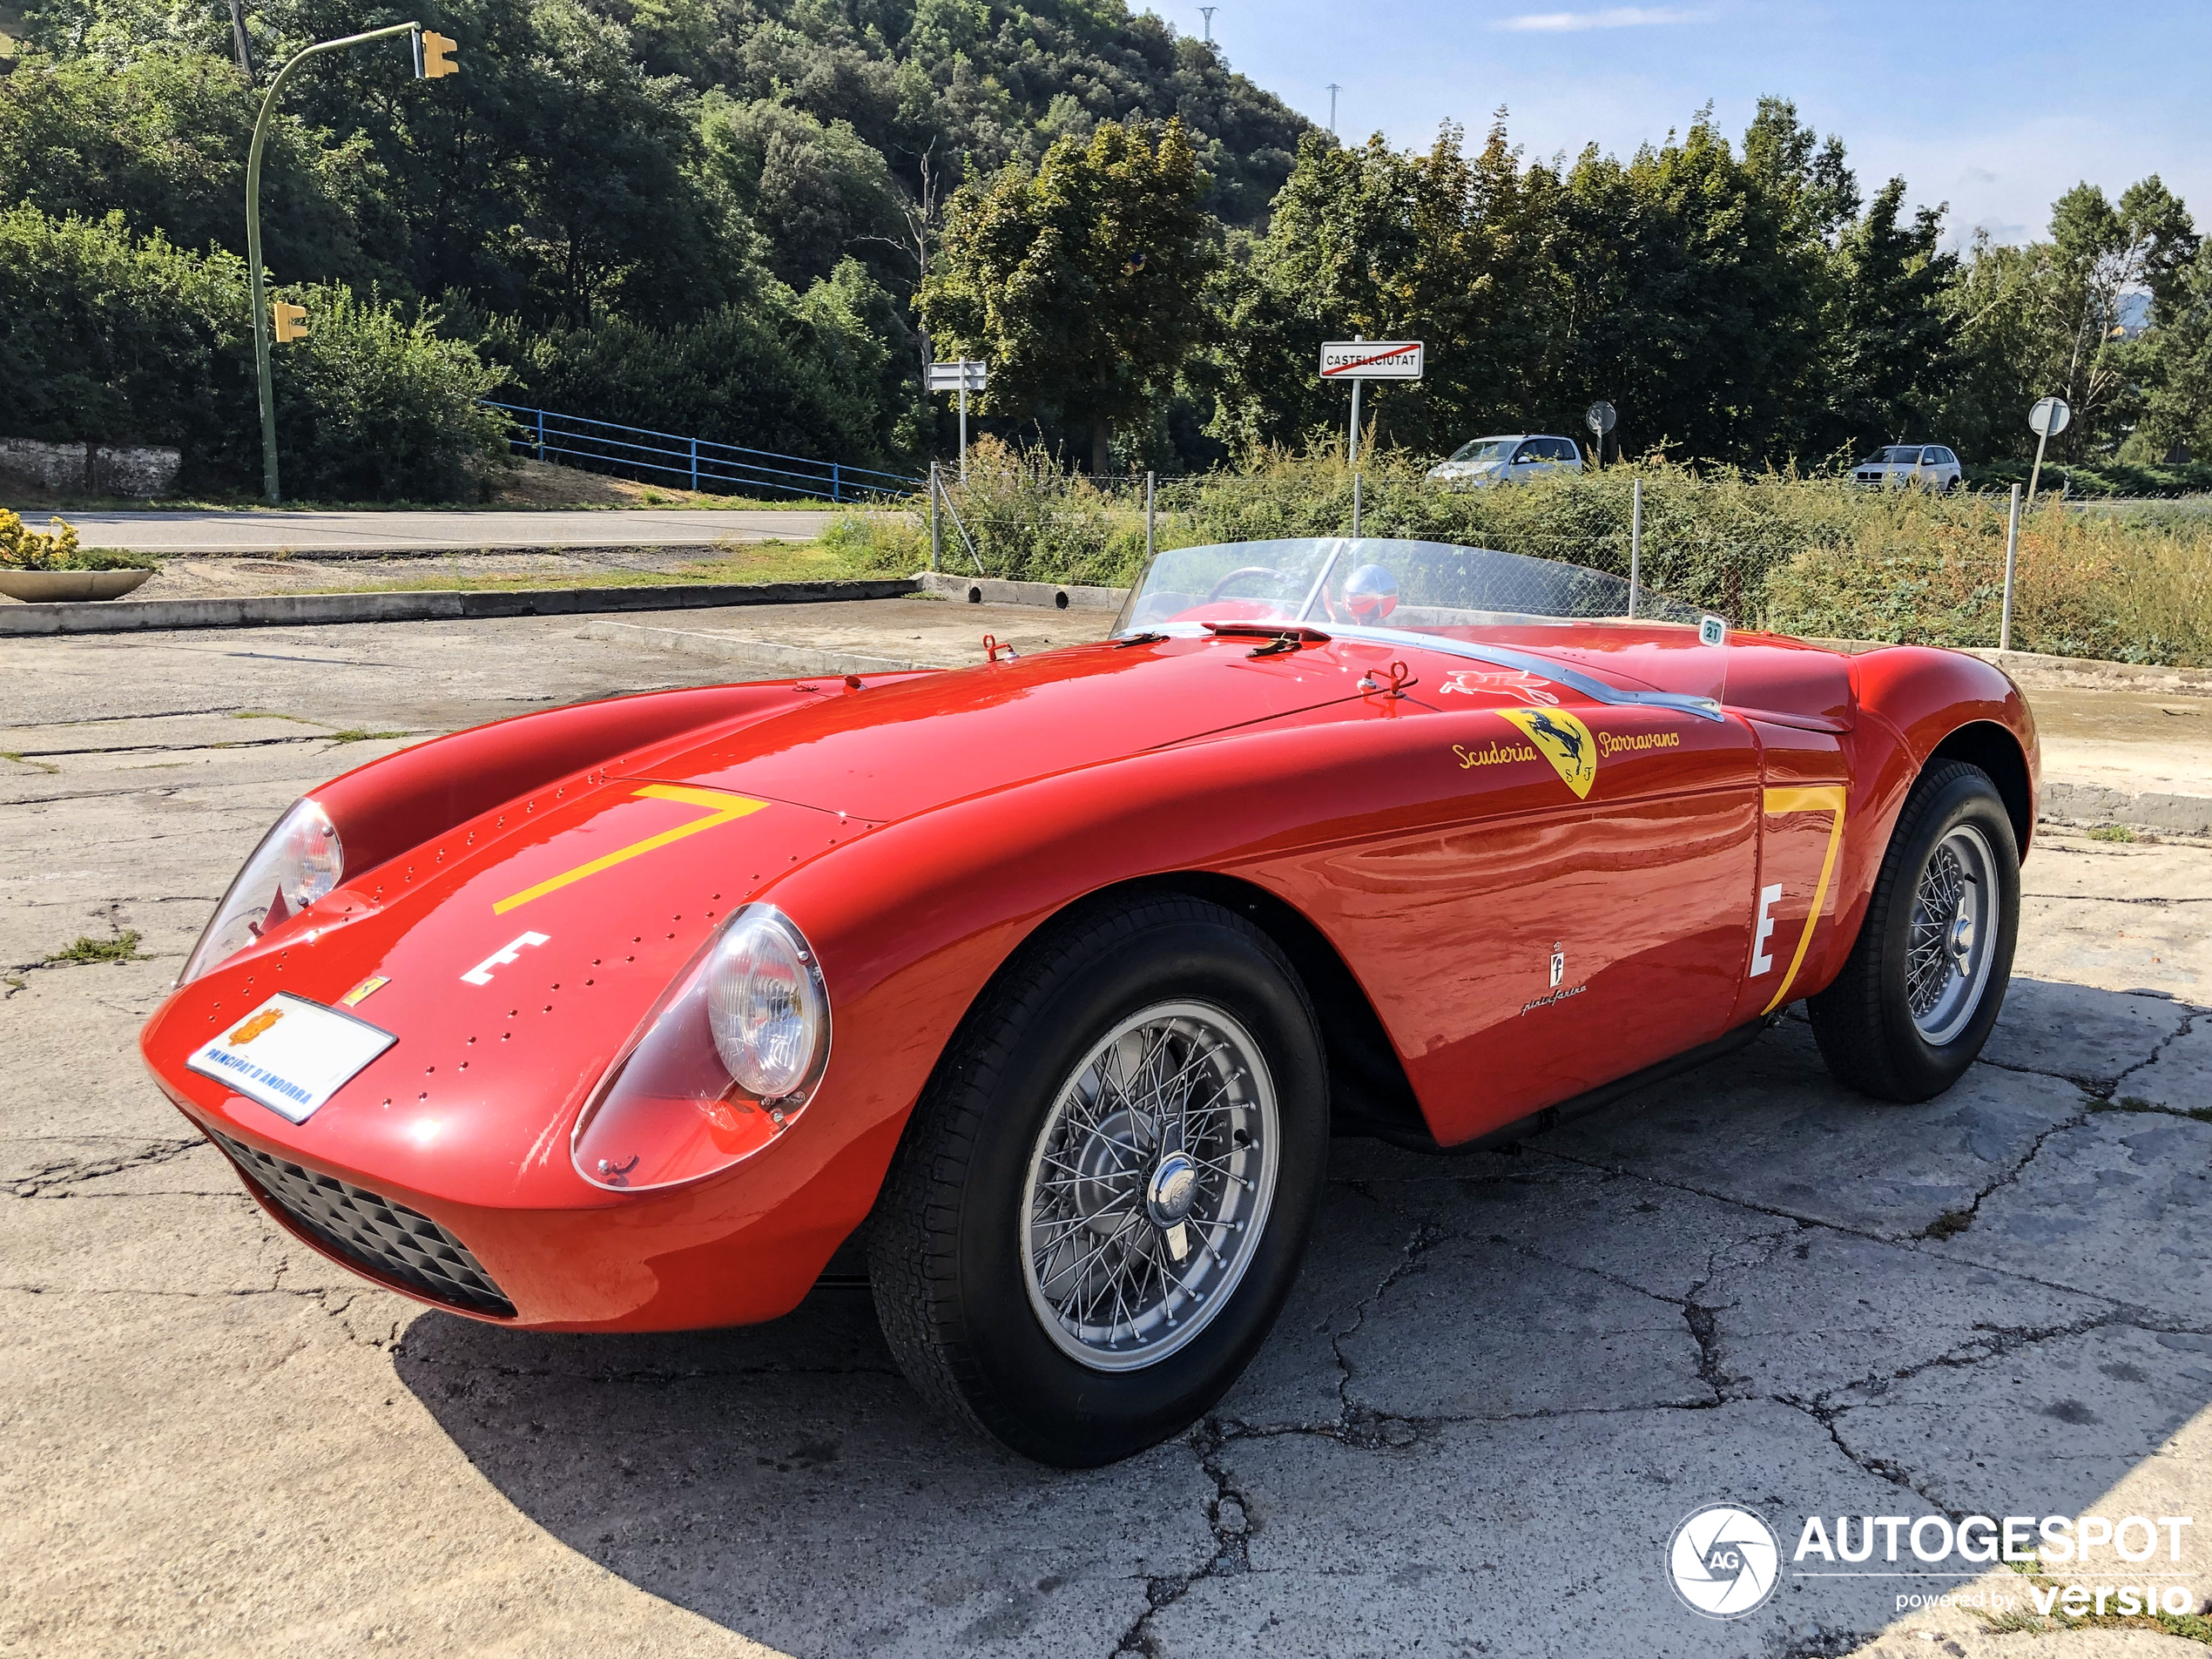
1046	981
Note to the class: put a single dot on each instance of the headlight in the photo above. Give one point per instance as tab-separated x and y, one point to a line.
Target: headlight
297	863
727	1061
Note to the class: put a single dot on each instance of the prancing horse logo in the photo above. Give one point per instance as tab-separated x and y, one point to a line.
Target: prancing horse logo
1564	741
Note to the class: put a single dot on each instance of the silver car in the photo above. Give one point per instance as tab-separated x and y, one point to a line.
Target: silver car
1925	465
1511	457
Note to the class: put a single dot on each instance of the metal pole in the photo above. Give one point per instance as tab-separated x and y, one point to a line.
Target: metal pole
833	483
936	531
253	241
1355	493
694	466
2012	559
541	434
1148	514
1352	450
963	426
2033	477
1636	543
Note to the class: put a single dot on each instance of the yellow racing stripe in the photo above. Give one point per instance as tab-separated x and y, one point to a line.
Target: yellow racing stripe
722	807
1811	797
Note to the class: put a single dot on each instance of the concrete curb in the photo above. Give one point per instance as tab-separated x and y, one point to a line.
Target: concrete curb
989	590
2088	804
309	610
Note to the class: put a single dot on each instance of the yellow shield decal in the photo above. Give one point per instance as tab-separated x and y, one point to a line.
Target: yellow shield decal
1564	741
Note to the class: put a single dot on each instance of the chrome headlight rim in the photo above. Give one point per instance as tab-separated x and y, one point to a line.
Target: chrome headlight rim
682	1005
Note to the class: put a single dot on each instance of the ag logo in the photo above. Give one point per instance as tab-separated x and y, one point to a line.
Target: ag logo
1565	741
1724	1561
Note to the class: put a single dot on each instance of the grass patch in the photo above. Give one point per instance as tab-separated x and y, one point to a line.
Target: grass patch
361	734
1949	1224
87	951
2189	1627
25	760
268	714
2112	833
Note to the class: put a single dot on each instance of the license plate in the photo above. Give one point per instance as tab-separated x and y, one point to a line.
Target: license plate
290	1054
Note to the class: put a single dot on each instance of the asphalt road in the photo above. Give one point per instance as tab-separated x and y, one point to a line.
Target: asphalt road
460	530
1502	1383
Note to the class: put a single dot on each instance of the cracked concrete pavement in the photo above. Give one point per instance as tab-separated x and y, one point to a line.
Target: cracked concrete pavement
1501	1382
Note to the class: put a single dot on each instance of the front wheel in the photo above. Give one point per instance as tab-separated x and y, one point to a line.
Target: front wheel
1927	974
1102	1199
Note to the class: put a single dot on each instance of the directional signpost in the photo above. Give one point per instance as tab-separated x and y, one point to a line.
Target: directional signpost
2047	420
969	374
1359	360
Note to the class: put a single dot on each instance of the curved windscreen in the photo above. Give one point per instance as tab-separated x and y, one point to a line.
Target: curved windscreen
1483	601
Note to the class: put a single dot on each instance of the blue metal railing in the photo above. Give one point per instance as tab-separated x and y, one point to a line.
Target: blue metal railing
703	463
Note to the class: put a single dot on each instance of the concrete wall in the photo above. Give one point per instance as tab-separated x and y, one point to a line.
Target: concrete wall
138	470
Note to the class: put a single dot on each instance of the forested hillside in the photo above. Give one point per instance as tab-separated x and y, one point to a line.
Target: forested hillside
738	218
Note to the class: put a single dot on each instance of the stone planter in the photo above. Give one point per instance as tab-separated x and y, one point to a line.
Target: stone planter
45	586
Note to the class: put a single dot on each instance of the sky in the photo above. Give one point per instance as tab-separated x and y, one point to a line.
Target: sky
1994	109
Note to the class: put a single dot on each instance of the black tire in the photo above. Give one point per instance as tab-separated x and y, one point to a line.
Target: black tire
1865	1022
948	1240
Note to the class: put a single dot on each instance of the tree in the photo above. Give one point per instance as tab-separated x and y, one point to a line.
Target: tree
1080	280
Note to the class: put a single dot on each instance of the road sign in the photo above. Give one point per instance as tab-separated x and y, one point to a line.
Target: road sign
290	322
966	375
1371	360
1599	417
2049	417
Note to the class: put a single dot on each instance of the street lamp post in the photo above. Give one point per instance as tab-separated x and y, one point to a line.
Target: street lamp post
437	60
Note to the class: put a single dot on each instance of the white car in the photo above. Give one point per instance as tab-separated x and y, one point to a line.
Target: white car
1499	459
1928	466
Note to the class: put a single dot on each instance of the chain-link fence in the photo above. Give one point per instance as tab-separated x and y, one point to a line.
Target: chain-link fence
1812	556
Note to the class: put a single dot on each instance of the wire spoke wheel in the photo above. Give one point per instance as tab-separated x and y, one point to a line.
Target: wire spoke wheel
1150	1185
1953	935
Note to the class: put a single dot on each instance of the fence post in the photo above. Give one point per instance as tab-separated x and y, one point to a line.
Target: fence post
1148	514
1635	543
936	531
833	495
541	434
2012	560
694	466
1355	486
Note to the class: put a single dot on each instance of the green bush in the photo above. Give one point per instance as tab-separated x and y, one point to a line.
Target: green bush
109	338
814	374
1816	558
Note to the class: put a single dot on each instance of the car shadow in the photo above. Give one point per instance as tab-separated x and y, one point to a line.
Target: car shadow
1854	1264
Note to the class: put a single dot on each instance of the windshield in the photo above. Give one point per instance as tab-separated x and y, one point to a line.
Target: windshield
1393	590
1485	449
1896	456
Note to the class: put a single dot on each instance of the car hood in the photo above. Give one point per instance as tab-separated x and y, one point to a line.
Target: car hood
884	753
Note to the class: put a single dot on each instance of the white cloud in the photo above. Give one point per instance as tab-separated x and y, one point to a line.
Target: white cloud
1562	22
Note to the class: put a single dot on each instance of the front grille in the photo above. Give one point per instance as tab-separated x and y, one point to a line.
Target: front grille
385	1238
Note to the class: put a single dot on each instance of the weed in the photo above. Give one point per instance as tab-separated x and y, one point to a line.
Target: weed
25	760
124	948
1949	1224
361	734
2112	833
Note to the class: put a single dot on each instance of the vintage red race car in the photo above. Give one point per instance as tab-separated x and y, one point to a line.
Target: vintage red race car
1046	981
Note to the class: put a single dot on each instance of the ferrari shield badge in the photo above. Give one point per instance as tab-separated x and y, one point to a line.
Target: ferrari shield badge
1563	740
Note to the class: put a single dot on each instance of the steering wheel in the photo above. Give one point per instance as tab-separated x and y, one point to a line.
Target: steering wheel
1216	591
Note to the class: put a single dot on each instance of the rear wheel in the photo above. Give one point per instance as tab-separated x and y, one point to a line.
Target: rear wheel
1101	1203
1926	976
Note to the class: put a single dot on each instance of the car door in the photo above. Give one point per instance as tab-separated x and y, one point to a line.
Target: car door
1545	895
1528	461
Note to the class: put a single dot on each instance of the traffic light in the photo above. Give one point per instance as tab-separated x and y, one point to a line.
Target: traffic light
291	321
432	55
